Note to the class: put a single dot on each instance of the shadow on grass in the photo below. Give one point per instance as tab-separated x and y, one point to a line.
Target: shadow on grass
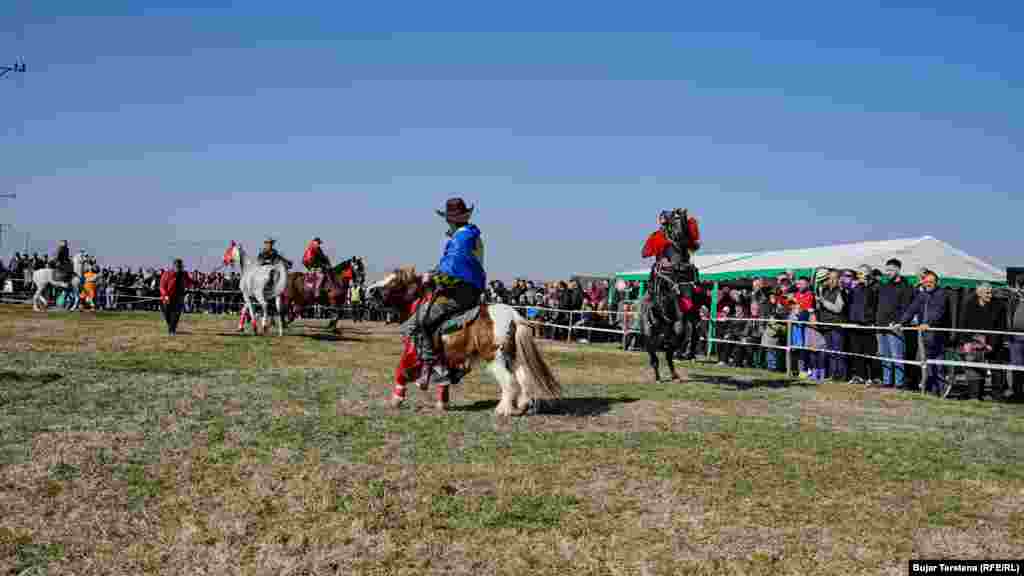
332	337
743	382
45	377
577	407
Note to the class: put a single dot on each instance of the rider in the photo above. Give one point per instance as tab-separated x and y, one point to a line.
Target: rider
62	260
63	257
314	258
269	255
459	280
671	263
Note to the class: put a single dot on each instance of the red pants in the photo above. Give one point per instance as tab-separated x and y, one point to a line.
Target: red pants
409	367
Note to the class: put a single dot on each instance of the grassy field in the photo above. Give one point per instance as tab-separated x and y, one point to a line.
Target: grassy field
126	451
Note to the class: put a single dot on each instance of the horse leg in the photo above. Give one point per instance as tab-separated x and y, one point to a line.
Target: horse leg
280	317
676	343
509	387
653	341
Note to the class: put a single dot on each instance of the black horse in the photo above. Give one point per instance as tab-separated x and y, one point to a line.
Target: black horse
666	325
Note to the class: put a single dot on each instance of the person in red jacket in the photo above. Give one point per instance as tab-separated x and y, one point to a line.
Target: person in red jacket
173	284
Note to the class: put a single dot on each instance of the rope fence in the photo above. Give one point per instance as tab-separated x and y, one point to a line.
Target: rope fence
616	322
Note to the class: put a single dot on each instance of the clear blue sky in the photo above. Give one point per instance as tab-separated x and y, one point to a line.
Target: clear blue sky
570	124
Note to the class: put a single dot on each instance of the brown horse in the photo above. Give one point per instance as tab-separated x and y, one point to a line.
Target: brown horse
333	292
496	335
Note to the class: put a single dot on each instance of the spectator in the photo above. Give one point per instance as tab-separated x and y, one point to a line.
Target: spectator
929	309
817	343
751	333
1016	325
774	335
832	310
979	313
863	310
894	298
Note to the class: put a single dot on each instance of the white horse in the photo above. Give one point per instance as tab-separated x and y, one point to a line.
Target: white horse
255	284
44	278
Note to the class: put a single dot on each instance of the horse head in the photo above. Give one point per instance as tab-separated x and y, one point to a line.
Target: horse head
674	224
400	289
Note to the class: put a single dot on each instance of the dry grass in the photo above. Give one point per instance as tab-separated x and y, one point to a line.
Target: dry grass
125	451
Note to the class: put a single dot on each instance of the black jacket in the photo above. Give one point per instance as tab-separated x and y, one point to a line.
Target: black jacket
863	305
973	316
893	300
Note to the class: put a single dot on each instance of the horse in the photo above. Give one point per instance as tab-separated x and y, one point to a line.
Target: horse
670	312
255	284
492	334
333	291
46	277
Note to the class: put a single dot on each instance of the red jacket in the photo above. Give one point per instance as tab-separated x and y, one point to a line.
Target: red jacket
167	284
805	300
655	245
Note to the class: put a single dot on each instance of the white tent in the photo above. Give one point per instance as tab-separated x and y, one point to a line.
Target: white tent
953	266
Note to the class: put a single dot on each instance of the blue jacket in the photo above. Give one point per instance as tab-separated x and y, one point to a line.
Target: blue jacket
929	307
463	257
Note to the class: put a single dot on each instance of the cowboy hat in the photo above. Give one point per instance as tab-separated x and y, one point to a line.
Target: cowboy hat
454	209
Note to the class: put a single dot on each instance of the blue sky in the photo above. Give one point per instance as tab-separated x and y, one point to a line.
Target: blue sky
569	124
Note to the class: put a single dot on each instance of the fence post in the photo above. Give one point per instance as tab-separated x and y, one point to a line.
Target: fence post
625	328
789	349
568	334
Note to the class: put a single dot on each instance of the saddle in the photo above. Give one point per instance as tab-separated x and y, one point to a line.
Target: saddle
312	282
458	322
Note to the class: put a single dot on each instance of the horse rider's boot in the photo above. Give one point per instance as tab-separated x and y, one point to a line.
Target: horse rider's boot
443	396
433	370
397	396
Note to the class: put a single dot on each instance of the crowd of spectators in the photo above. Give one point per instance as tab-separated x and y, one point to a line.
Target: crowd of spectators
587	305
854	315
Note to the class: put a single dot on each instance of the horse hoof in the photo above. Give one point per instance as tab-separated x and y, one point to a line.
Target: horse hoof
441	406
395	402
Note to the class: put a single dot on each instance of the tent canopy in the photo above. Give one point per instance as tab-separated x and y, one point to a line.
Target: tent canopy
954	267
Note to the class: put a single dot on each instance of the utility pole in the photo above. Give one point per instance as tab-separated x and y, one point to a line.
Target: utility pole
5	227
18	66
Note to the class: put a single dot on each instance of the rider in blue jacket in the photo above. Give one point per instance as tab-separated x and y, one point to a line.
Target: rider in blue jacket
459	282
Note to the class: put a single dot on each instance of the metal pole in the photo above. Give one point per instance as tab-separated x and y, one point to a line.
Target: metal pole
789	349
712	317
922	352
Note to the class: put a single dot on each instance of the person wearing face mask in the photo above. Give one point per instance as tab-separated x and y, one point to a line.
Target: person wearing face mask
929	309
894	297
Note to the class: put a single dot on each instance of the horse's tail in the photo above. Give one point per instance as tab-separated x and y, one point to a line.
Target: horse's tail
539	379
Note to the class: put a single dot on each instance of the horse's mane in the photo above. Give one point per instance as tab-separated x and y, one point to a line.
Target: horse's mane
406	275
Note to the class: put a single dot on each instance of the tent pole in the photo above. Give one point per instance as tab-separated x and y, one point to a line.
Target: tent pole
712	316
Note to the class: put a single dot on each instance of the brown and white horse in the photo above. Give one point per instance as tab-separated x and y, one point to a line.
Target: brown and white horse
299	294
499	338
